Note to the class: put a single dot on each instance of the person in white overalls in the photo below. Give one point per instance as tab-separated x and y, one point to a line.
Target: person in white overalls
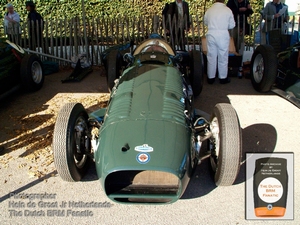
219	19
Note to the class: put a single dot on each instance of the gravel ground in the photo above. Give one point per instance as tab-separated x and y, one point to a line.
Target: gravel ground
269	124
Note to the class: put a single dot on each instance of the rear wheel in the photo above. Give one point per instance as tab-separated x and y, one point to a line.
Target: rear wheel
263	68
196	75
71	143
225	144
113	69
32	73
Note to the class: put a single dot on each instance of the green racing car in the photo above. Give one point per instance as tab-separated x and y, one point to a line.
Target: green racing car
147	142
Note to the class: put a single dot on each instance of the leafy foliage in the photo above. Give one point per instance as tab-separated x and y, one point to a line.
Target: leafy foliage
52	9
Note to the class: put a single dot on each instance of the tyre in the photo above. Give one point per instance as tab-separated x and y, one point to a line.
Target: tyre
263	68
32	76
113	69
71	143
225	144
196	75
275	39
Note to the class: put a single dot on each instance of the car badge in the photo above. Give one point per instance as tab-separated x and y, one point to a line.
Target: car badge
143	158
143	148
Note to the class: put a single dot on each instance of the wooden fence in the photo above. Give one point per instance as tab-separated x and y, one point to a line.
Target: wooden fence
64	38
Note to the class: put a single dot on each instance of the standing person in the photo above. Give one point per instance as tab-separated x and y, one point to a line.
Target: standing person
241	10
219	19
274	13
179	10
12	24
35	25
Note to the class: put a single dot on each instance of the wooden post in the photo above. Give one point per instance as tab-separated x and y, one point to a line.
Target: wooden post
84	30
112	31
117	30
71	38
46	23
65	39
75	36
164	27
198	31
155	23
101	32
60	38
51	37
56	38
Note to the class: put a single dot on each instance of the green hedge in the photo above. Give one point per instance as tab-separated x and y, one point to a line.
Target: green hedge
51	9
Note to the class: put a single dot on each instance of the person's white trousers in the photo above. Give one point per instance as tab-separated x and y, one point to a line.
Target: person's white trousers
217	53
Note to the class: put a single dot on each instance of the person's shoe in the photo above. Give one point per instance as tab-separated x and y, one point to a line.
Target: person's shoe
210	80
225	80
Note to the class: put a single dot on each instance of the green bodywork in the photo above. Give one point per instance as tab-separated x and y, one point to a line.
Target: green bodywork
146	108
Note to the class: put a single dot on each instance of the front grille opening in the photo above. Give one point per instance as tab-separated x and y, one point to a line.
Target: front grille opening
145	183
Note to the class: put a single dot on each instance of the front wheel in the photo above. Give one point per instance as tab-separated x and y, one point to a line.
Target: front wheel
113	68
196	72
71	143
263	68
225	144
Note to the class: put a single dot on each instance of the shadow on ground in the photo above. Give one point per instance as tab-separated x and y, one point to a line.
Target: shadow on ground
257	138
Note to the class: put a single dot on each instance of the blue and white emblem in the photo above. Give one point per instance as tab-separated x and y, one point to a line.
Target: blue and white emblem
143	148
143	158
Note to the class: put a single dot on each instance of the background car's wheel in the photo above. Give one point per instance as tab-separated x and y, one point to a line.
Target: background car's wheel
225	144
71	142
113	68
196	68
263	68
32	75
